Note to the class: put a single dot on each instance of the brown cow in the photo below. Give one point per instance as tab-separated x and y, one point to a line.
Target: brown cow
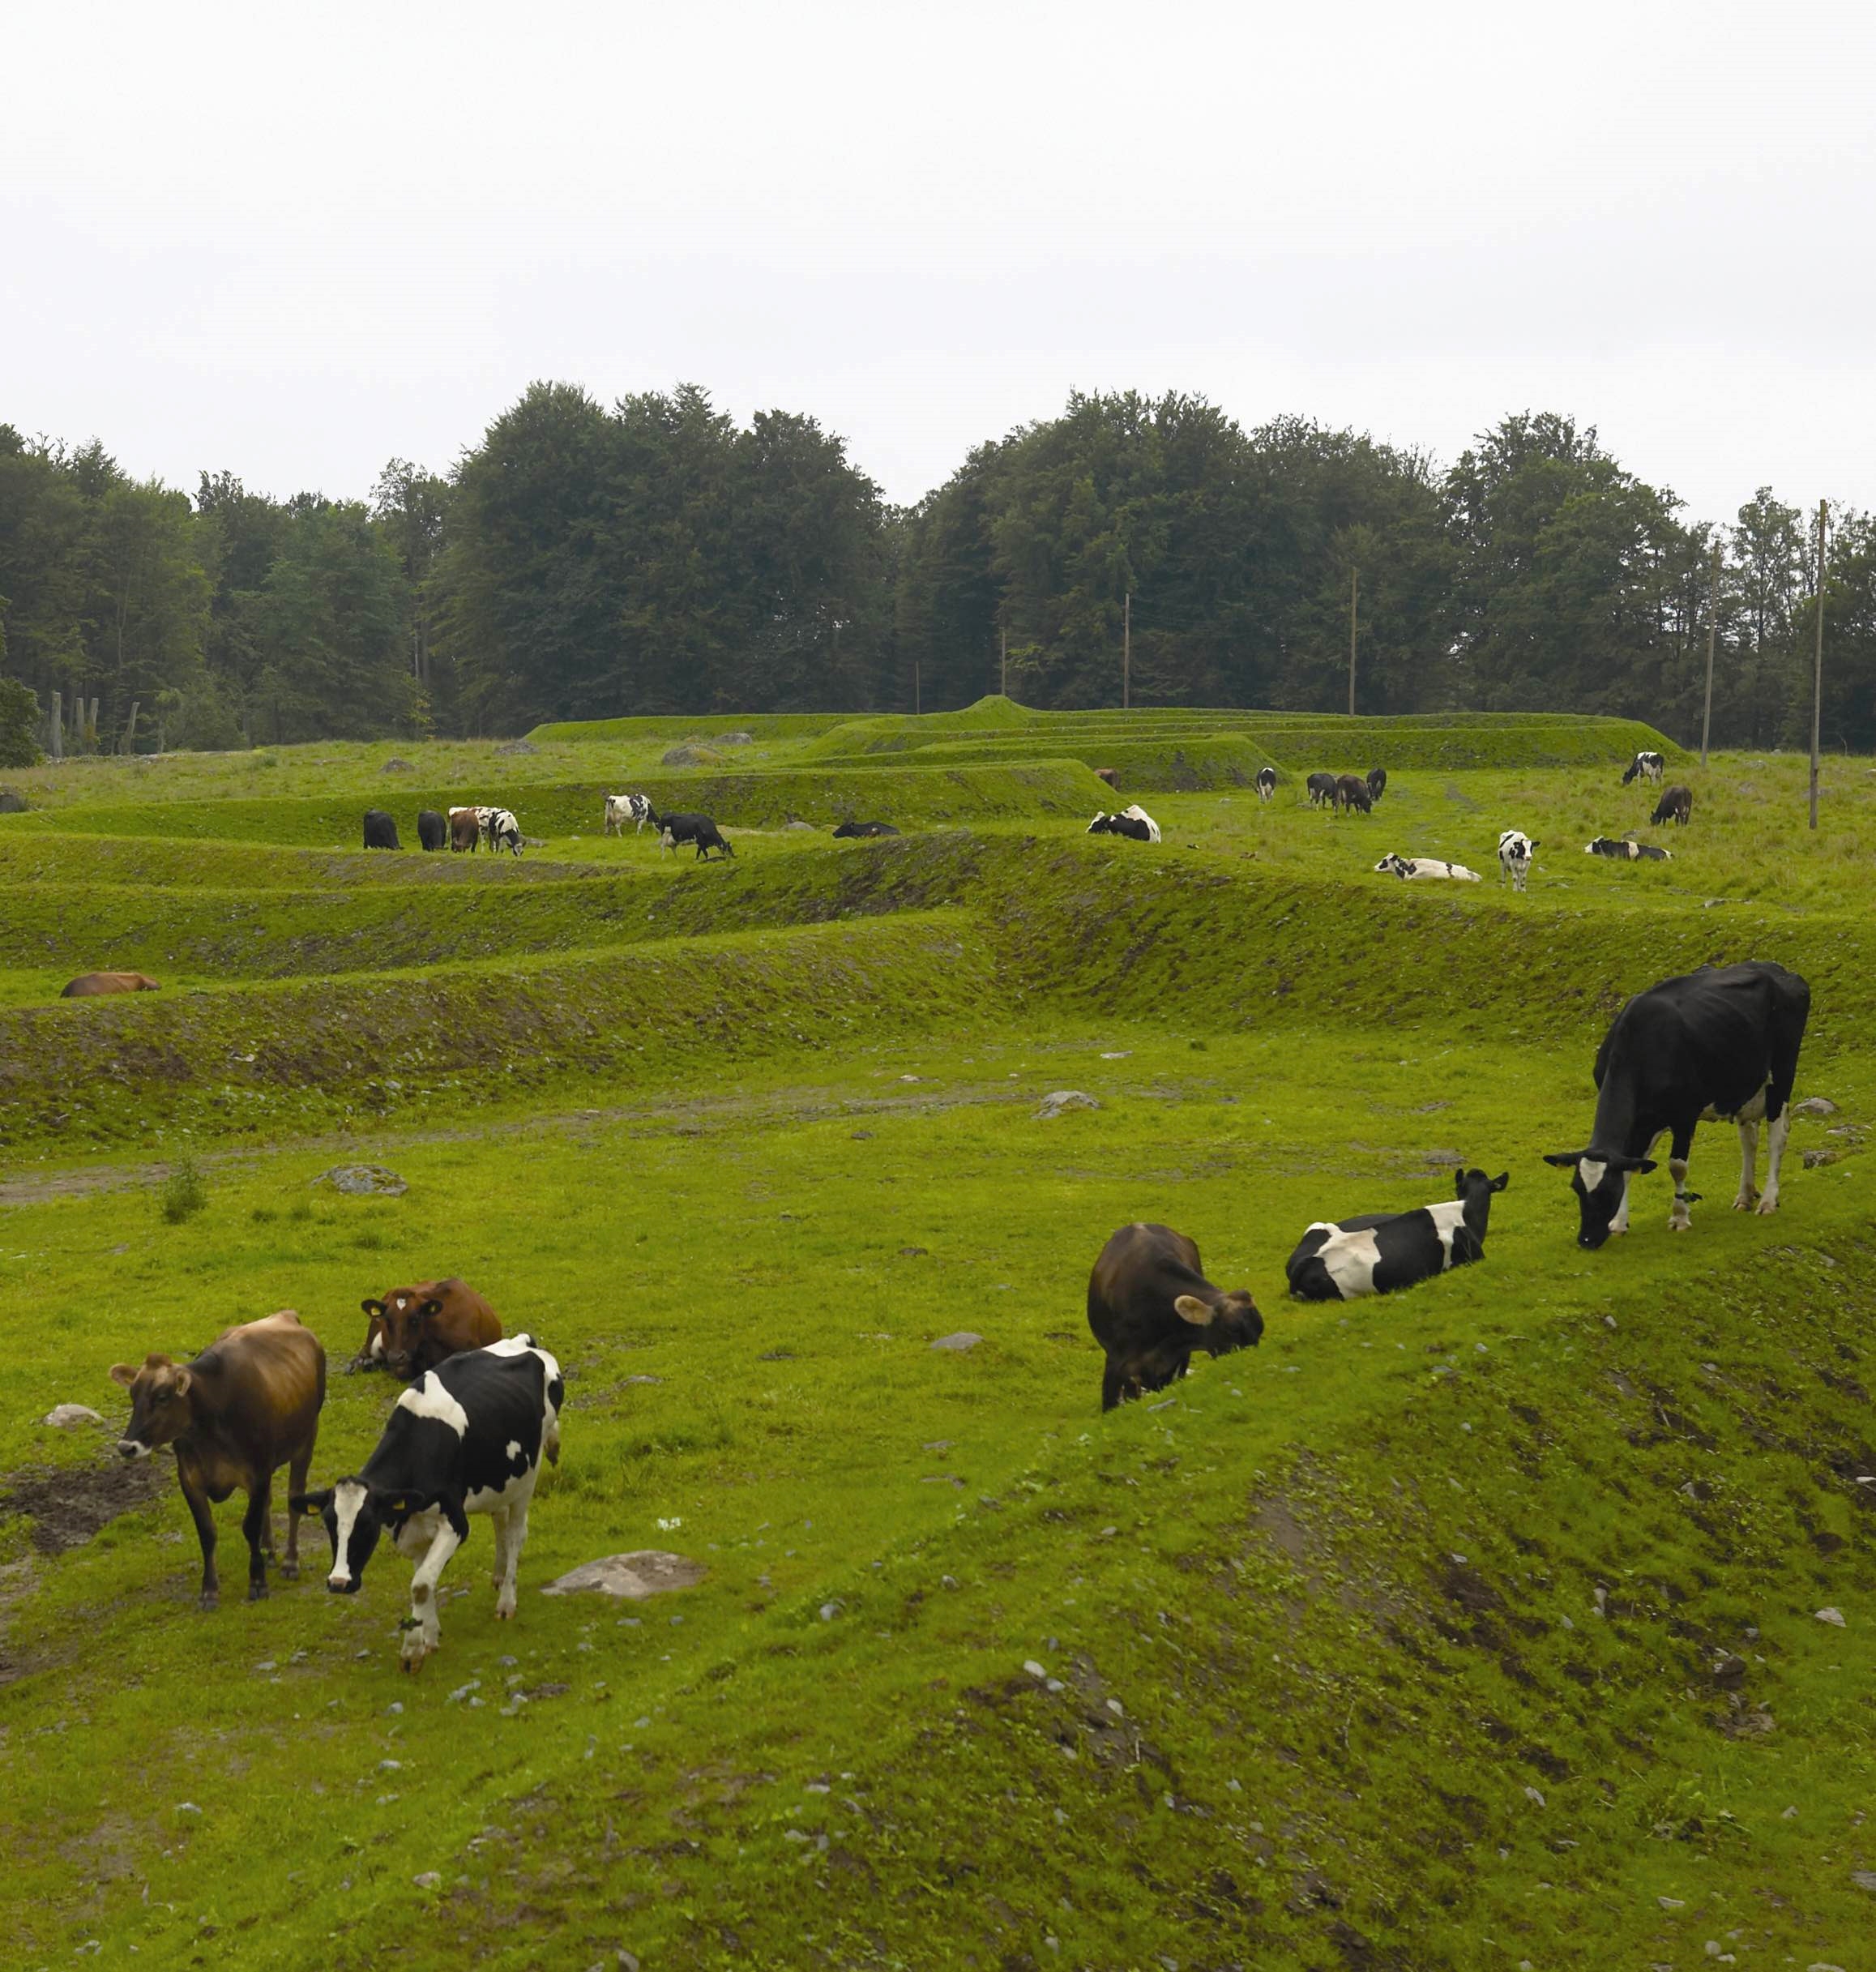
1107	774
413	1329
1150	1306
1676	804
465	828
248	1405
88	984
1351	792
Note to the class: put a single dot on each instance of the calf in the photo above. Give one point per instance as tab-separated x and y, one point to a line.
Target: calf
1321	789
1377	1253
1647	766
1626	851
467	1437
413	1329
433	831
1676	804
88	985
1515	851
248	1405
698	828
636	809
380	830
1351	792
1418	868
465	828
1377	782
850	831
1266	782
1107	774
1150	1306
501	831
1721	1043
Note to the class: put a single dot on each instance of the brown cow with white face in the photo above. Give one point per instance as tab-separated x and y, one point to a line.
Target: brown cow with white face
88	985
414	1328
248	1405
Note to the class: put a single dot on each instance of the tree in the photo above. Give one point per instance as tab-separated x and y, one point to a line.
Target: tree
18	724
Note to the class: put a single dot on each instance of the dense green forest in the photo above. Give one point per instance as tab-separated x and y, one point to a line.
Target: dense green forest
656	557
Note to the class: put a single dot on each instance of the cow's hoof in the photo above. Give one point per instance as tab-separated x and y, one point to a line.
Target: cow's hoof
211	1598
257	1592
289	1571
1767	1205
1680	1225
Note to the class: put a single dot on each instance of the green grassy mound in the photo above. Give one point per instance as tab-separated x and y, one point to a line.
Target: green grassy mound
678	729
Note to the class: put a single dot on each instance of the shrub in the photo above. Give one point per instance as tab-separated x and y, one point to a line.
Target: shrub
184	1194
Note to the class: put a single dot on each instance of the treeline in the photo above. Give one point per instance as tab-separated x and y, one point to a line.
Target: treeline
583	562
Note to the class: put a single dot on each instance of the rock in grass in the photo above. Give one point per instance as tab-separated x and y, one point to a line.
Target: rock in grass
644	1571
12	802
1832	1615
960	1342
363	1181
736	739
1059	1101
692	756
518	745
65	1416
1814	1106
1864	1879
393	765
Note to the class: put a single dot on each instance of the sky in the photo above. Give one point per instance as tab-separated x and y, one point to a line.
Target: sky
295	243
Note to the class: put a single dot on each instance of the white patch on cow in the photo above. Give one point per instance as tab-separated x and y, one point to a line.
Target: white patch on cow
401	1303
427	1398
348	1498
1139	814
378	1346
1351	1258
1589	1171
519	1346
514	1449
133	1447
1753	1111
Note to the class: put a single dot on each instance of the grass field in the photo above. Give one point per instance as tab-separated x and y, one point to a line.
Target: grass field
1472	1628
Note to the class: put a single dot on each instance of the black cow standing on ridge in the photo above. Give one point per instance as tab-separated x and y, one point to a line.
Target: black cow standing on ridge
1720	1044
432	831
380	830
1150	1306
698	828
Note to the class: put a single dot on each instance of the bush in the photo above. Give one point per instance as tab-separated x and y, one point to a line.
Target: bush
184	1194
18	724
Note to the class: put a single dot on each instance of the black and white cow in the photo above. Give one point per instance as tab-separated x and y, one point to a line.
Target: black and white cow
1379	1252
1676	804
636	809
849	832
502	831
1133	822
1266	782
1648	766
1626	851
1718	1045
1321	788
467	1437
1377	782
697	828
1411	868
1515	850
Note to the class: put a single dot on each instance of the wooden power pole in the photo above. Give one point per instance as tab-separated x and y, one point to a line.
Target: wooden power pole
1354	597
1127	651
1712	623
917	701
1818	666
1003	668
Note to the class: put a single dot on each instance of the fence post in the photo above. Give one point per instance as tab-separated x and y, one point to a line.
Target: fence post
58	748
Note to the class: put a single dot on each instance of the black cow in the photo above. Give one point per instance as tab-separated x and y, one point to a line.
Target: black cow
1718	1045
380	830
1150	1306
1266	782
1377	782
1321	788
1379	1252
1351	792
1676	804
849	831
698	828
1627	851
432	830
1649	766
467	1437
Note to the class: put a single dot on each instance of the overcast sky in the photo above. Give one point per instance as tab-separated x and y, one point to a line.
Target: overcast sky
296	242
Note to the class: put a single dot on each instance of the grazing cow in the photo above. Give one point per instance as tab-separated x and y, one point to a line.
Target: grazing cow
1718	1045
1351	792
1515	852
851	831
1377	782
88	985
433	831
698	828
1648	766
380	830
413	1329
467	1437
1412	869
1321	788
1626	851
1379	1252
502	831
1676	804
466	828
636	809
1108	775
1266	782
248	1405
1150	1306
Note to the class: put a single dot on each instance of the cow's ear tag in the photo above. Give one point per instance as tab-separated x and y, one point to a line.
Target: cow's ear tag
1189	1307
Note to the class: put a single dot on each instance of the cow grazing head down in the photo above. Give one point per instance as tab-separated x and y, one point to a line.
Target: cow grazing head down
1230	1322
354	1516
160	1411
1600	1184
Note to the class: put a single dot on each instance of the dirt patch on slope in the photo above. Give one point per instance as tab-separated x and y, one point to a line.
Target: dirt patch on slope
66	1507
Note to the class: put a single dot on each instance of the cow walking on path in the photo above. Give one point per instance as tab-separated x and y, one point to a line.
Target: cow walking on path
1718	1045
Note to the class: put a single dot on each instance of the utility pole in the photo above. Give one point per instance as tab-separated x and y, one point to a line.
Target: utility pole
1818	669
1127	652
1712	623
916	703
1003	668
1354	597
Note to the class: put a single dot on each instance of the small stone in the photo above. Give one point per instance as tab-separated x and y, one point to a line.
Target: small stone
1864	1879
1672	1903
395	1707
1814	1106
830	1610
1833	1616
1059	1101
1034	1669
913	1252
958	1343
643	1572
363	1181
393	765
430	1879
62	1417
187	1808
947	1581
1533	1796
1791	1814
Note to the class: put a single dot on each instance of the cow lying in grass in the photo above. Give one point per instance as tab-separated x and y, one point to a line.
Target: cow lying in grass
1410	868
1380	1252
414	1328
1133	822
88	985
1625	851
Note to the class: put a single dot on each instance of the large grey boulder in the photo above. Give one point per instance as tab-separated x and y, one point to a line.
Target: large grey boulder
644	1571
